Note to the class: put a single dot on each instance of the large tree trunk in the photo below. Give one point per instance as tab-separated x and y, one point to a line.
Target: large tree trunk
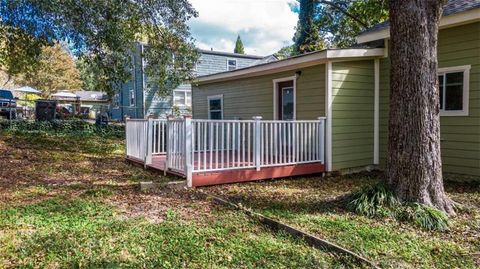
414	165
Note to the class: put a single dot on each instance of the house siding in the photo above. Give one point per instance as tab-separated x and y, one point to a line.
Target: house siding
248	97
162	106
352	114
460	135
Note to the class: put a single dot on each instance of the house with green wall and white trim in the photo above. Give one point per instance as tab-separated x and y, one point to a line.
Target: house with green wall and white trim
350	87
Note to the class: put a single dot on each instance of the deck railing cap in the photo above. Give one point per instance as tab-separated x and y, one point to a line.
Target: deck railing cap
257	117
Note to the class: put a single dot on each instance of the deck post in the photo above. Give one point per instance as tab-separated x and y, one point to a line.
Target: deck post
188	149
321	133
148	158
257	137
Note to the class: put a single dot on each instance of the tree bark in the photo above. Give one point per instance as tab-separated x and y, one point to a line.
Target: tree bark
414	165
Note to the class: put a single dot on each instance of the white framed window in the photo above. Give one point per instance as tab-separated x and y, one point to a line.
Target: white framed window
215	107
453	83
231	64
182	98
116	100
131	97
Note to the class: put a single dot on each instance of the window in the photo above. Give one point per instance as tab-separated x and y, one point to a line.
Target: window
231	64
116	100
453	89
131	97
182	98
215	107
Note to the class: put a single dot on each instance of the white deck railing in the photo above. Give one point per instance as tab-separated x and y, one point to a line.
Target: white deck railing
217	145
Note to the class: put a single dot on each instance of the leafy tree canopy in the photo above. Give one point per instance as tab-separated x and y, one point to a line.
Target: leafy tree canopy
335	23
239	46
55	71
101	34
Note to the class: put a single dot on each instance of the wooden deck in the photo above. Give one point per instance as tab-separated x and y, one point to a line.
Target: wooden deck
239	174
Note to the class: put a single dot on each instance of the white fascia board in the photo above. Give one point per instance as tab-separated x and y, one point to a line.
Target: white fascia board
470	16
293	63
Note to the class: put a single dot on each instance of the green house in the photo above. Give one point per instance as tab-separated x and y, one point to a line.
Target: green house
350	87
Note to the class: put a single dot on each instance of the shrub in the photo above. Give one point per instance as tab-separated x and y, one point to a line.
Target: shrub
64	127
426	217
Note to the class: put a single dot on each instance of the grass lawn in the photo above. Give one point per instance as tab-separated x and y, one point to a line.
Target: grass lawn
315	205
71	201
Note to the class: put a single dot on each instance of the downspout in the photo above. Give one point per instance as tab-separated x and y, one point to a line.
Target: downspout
376	116
143	82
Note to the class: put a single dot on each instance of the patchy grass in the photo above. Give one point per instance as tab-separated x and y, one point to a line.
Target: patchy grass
319	206
70	201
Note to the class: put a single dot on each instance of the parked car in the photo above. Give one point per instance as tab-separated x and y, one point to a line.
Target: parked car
8	104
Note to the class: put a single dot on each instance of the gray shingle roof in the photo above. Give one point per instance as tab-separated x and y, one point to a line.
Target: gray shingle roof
452	7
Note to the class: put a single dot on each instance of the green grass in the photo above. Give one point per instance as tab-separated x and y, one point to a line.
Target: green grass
68	201
86	233
320	206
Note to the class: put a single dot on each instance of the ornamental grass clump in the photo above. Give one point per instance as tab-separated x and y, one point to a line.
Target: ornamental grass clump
379	201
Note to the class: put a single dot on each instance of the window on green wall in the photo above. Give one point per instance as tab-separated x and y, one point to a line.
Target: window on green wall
131	97
215	107
453	89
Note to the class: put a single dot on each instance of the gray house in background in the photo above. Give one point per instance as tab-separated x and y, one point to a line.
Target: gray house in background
135	101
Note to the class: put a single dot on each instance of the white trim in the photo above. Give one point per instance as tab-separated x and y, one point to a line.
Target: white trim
446	22
328	115
311	59
376	113
236	64
466	89
131	96
275	97
214	97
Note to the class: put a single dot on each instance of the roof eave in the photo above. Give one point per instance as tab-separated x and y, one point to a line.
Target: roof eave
452	20
292	63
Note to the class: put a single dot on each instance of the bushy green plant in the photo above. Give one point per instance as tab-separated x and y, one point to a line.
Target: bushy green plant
424	216
379	201
63	127
373	201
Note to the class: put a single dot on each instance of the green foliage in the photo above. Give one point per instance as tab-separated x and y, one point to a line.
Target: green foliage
102	34
379	201
373	200
63	128
239	46
336	23
55	71
307	36
285	52
427	217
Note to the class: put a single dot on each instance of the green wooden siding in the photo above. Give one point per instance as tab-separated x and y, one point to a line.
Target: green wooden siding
248	97
460	135
352	114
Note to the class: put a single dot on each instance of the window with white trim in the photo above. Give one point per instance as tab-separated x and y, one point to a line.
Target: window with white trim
182	98
453	83
131	97
231	64
215	107
116	100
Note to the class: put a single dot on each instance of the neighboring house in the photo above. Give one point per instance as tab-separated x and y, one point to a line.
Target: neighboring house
92	103
135	101
350	87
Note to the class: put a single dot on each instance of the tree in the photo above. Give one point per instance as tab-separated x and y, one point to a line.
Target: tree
55	71
285	52
102	34
414	166
336	23
307	36
239	46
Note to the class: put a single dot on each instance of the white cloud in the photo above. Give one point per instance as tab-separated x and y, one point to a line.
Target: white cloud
265	26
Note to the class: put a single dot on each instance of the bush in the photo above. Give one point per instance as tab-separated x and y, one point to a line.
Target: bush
64	127
379	201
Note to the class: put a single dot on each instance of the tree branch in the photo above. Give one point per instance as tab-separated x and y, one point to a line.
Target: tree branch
339	8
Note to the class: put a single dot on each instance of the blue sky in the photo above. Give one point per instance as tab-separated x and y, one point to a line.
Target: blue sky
265	26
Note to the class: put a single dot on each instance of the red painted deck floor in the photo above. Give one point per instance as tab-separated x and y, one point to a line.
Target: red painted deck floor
237	175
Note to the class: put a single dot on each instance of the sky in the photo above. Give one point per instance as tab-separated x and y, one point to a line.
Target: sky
265	26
